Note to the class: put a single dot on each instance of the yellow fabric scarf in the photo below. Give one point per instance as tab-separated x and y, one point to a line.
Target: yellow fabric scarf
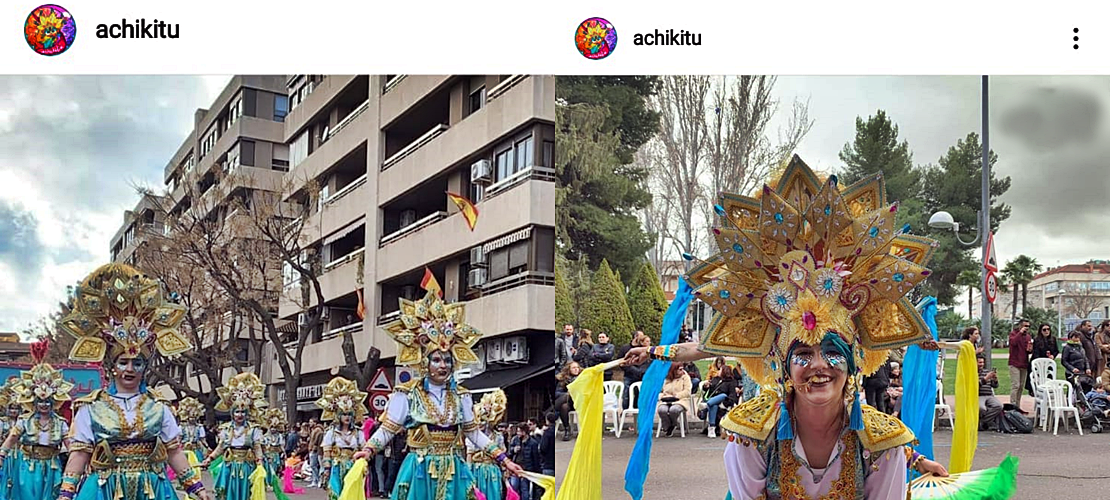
965	437
583	478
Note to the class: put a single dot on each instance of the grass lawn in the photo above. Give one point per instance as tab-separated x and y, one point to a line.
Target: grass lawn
949	372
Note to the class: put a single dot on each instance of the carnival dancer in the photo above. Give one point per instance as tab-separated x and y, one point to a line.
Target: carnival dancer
343	404
809	290
436	412
125	436
240	440
40	432
273	444
190	413
488	476
9	404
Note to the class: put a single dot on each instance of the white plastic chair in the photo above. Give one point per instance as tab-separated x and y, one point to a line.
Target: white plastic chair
613	403
1043	370
1059	406
941	408
683	423
633	403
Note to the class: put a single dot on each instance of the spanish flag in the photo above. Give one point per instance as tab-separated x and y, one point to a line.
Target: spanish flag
469	211
361	311
429	283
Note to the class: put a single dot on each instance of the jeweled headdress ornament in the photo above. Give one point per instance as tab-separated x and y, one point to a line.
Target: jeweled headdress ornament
806	259
42	382
491	409
119	311
274	418
342	396
9	393
428	325
243	392
189	410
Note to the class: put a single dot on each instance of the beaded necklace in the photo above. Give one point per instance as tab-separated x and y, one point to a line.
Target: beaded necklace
128	429
448	415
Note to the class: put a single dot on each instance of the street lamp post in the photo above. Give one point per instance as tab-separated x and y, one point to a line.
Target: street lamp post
944	220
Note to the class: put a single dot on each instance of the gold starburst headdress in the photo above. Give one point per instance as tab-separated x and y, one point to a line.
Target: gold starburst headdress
243	392
804	260
119	311
274	418
42	382
342	396
189	410
428	325
491	409
9	393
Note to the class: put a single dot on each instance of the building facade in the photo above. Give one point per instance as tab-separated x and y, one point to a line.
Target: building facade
1075	291
373	158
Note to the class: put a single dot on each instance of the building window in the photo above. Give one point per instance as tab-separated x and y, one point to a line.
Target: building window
324	194
246	153
477	99
504	161
209	142
549	154
477	192
281	107
280	160
232	160
234	112
298	150
524	154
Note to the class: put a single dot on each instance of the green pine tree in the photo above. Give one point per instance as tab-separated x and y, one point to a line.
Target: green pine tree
647	303
564	307
876	149
606	310
955	186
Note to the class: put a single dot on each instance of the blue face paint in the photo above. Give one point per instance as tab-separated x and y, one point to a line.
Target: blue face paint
801	360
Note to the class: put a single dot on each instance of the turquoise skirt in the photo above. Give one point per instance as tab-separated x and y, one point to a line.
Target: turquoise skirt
125	486
338	471
36	479
8	470
234	481
427	476
274	467
489	480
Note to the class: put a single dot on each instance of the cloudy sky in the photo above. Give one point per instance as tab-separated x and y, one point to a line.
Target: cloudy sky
1048	132
72	148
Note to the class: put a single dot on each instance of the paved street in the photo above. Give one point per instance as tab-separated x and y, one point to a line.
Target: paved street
1061	467
309	494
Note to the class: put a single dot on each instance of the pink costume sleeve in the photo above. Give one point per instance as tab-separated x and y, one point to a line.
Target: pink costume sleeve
889	482
746	470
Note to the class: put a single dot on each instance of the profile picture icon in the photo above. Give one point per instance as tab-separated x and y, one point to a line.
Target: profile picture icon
50	30
595	38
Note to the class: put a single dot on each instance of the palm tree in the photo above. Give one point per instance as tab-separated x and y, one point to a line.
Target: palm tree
1012	274
970	279
1020	271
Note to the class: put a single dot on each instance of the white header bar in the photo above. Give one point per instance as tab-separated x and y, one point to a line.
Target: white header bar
503	37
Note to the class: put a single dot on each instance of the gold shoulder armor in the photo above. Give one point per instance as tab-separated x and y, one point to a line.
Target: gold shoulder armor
754	418
90	397
407	386
882	432
462	390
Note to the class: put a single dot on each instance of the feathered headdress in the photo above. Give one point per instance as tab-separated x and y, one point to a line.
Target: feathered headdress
119	311
9	393
274	418
342	396
189	409
42	382
428	325
806	259
491	409
243	392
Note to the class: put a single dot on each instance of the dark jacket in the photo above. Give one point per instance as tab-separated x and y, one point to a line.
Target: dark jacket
635	373
1044	346
292	441
397	447
1094	355
880	379
562	352
528	453
720	385
601	353
692	371
582	355
547	448
1074	359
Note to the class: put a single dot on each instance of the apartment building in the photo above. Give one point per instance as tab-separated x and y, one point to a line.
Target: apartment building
241	134
373	157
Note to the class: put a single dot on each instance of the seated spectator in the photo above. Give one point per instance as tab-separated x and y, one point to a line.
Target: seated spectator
1074	359
694	374
675	399
1099	399
721	392
989	406
894	392
563	403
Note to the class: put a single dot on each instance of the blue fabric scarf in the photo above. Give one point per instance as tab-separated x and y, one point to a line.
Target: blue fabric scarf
639	462
919	382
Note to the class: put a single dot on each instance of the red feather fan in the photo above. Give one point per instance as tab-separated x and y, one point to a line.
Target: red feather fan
39	349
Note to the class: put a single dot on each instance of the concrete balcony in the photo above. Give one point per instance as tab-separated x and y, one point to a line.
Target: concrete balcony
341	209
530	307
532	98
316	102
247	127
339	144
525	204
340	276
409	91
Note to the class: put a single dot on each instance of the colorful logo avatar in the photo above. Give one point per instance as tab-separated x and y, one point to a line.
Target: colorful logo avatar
595	38
50	30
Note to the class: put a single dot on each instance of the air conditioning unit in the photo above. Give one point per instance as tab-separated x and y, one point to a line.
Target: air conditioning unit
481	172
477	257
408	218
409	292
476	278
463	374
495	351
516	350
480	352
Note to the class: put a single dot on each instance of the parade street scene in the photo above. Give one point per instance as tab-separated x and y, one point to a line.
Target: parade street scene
831	287
286	287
